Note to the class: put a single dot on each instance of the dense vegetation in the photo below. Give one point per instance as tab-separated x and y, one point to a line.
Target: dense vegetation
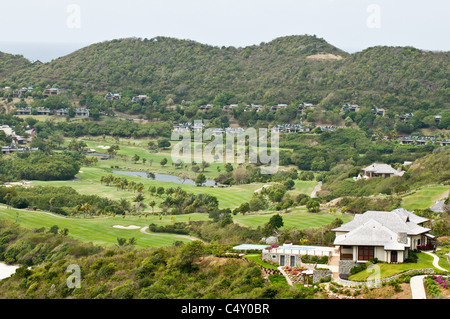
281	71
38	166
186	271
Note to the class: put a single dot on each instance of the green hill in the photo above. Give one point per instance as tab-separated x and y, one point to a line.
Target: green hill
287	69
9	64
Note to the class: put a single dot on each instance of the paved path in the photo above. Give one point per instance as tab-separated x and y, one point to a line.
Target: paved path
316	189
435	261
417	287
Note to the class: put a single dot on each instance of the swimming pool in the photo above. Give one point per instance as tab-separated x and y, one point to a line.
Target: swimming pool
253	246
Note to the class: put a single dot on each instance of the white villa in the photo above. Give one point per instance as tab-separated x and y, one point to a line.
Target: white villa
387	236
383	170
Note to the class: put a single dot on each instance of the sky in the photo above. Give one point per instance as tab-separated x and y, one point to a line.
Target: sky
47	29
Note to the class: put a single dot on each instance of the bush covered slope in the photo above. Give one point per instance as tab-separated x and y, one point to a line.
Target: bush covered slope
281	71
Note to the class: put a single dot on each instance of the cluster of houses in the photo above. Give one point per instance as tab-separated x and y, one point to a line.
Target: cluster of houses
290	128
79	112
19	93
422	140
111	97
257	107
280	128
17	140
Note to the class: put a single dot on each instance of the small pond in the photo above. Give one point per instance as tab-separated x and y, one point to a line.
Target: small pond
164	178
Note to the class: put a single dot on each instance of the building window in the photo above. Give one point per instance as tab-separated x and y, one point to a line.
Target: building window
292	261
366	252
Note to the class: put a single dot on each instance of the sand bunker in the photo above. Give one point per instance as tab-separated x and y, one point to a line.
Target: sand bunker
127	227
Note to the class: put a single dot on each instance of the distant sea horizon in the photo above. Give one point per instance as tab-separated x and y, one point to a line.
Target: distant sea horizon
44	52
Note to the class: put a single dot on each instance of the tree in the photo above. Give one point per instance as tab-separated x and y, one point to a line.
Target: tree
276	221
152	205
164	143
160	191
135	158
163	162
52	202
204	165
200	180
313	205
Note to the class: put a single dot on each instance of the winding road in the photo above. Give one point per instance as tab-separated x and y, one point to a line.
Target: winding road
416	283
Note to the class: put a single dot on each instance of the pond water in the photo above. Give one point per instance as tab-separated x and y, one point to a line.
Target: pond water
164	178
7	270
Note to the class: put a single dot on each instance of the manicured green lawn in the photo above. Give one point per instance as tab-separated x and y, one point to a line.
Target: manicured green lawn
388	270
424	197
257	259
88	179
297	217
100	230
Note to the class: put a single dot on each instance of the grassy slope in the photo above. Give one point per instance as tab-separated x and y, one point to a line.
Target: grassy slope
425	197
100	230
387	270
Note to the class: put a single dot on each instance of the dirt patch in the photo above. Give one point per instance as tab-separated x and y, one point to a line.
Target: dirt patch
210	262
324	56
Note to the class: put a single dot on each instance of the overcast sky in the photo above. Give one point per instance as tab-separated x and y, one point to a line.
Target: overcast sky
47	29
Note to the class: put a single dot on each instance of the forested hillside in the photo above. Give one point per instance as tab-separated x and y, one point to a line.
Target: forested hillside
9	64
286	70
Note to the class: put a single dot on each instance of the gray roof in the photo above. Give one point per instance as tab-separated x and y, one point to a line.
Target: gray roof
380	169
398	220
372	233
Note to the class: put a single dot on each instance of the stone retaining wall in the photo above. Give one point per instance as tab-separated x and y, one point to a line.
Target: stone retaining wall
377	283
319	274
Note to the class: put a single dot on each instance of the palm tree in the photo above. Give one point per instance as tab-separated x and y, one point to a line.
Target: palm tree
52	202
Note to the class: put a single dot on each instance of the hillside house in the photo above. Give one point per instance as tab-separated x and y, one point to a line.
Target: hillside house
406	117
110	97
24	111
387	236
379	112
206	107
52	91
20	92
81	112
350	108
62	112
229	107
43	111
277	107
256	107
438	119
329	128
13	148
380	170
445	142
139	98
304	106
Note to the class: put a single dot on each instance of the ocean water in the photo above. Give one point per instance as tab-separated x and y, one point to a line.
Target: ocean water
44	52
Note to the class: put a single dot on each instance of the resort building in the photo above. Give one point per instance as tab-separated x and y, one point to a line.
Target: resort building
24	111
387	236
110	97
140	98
81	112
52	91
350	108
380	170
277	107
